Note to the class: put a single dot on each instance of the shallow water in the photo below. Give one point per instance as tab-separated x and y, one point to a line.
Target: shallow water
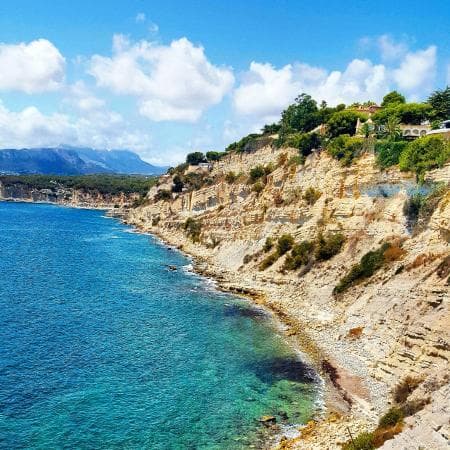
101	346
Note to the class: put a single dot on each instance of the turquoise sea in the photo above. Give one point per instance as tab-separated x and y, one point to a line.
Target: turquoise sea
103	347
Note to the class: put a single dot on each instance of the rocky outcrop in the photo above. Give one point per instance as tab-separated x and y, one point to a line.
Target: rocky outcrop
401	312
66	196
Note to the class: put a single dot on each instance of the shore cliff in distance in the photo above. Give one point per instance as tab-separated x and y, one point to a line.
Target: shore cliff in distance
353	258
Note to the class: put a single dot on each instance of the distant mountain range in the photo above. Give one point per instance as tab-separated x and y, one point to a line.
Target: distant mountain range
73	161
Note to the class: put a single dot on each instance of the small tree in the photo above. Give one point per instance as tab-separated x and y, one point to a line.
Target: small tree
440	102
195	158
392	98
343	122
284	244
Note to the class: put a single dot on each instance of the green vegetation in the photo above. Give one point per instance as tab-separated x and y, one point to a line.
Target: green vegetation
268	261
363	441
194	159
440	102
388	152
284	244
393	98
268	245
302	116
299	256
428	152
344	122
163	194
101	183
346	148
369	264
193	229
244	145
328	246
231	177
304	142
391	418
311	195
258	187
256	173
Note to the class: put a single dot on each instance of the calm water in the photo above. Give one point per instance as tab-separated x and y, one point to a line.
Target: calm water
102	347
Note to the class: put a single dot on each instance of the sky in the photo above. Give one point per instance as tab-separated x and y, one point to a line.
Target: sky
165	78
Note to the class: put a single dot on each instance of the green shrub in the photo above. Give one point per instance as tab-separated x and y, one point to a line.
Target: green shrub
193	229
284	244
419	208
230	177
195	158
346	148
268	261
244	145
297	160
304	142
425	153
364	441
388	152
391	418
369	264
311	195
268	245
328	246
258	187
299	256
256	173
343	122
163	194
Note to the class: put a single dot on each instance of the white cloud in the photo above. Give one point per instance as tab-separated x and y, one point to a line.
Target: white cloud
174	82
265	91
140	17
417	70
81	97
390	49
31	68
99	129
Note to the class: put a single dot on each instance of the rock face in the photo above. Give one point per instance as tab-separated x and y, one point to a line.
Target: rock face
401	312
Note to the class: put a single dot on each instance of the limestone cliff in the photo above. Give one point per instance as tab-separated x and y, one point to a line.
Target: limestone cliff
61	195
392	324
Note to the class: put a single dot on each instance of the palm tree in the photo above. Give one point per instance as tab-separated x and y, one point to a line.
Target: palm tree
392	128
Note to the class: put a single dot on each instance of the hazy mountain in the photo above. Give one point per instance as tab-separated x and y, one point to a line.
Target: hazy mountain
74	161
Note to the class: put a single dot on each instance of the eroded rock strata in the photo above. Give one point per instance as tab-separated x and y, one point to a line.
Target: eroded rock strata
365	340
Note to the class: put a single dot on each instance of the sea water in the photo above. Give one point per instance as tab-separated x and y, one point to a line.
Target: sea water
103	346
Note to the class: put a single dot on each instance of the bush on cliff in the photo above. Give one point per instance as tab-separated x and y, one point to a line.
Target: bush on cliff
269	260
299	256
369	264
311	195
284	244
388	152
193	229
425	153
343	122
304	142
346	148
163	195
328	246
364	441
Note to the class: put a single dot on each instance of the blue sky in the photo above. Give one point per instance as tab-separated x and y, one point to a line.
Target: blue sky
167	78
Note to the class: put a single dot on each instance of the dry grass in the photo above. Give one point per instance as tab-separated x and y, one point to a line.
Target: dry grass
394	253
422	260
355	333
381	435
405	388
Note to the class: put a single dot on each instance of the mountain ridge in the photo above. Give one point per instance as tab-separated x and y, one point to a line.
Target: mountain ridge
67	160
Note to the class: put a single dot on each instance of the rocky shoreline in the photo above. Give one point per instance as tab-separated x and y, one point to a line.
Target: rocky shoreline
362	342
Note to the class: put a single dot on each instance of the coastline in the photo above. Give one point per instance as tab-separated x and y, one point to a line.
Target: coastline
335	411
